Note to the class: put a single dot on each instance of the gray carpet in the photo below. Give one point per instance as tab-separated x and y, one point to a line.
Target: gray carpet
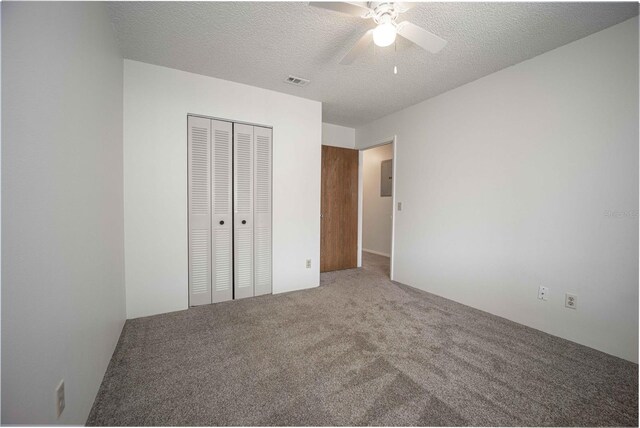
358	350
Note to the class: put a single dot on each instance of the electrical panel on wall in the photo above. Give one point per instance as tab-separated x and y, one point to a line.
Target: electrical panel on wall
230	253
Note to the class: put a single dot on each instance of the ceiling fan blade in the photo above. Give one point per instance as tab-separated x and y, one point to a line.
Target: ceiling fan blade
404	6
358	9
421	37
357	49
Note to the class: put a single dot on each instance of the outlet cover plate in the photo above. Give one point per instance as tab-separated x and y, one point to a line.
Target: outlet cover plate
571	301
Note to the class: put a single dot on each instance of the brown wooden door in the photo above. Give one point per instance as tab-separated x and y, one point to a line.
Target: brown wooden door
339	209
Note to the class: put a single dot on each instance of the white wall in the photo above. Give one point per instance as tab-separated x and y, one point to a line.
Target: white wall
377	210
63	292
156	103
338	136
0	208
506	183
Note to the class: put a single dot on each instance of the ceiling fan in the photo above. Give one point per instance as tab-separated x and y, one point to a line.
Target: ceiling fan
384	14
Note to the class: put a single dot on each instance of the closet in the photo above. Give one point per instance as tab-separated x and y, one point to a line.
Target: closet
229	207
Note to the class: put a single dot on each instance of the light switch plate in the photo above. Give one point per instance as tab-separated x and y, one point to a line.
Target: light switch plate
543	293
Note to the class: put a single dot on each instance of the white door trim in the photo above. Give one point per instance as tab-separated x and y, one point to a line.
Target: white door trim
394	144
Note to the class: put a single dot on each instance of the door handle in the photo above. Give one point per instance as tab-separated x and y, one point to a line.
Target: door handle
244	221
221	222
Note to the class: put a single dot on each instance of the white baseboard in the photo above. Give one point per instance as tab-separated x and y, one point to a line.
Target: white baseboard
376	252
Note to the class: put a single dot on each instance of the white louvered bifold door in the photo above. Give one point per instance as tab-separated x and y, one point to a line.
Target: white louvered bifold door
243	206
222	215
262	210
199	182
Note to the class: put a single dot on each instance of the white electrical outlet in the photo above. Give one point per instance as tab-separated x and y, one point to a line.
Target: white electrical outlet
571	301
399	206
60	398
308	263
543	293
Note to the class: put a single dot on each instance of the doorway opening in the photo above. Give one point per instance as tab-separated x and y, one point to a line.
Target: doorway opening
377	208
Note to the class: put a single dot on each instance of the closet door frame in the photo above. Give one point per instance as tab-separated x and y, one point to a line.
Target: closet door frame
233	212
222	119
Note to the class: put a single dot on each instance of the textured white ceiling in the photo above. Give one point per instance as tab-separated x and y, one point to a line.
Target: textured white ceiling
260	44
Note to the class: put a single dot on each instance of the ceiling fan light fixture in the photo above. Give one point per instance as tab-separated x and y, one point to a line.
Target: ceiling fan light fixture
385	14
384	34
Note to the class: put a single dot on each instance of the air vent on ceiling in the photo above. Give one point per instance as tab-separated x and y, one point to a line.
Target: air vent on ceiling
298	81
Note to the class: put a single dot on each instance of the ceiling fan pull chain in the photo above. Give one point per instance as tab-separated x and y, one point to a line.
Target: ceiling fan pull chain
395	57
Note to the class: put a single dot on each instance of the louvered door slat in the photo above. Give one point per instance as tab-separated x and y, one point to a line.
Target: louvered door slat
262	210
222	216
243	207
199	179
